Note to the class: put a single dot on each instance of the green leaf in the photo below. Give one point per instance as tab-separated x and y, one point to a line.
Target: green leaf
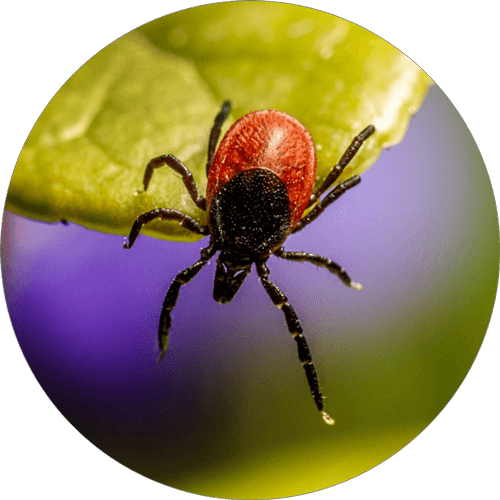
157	90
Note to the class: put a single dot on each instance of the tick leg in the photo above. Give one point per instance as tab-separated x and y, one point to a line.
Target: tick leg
180	168
332	196
182	278
215	132
294	327
164	214
320	261
344	161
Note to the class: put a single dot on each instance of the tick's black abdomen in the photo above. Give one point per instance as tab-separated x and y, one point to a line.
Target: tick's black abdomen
251	215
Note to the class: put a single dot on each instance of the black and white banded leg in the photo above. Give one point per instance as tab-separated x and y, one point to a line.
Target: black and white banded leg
294	327
320	261
332	196
215	132
181	279
186	221
180	168
337	170
335	173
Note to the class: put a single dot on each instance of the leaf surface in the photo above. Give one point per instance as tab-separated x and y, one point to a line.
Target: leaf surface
157	90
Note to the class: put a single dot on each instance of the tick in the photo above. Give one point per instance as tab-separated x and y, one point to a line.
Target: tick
260	182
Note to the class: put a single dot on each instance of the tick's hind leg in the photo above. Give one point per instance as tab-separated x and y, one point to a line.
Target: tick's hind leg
182	278
294	327
341	188
337	170
320	261
164	214
215	132
332	196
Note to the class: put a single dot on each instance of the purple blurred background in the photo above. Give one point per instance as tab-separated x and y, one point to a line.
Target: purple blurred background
420	233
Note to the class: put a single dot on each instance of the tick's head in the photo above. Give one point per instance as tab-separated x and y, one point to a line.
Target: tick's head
232	269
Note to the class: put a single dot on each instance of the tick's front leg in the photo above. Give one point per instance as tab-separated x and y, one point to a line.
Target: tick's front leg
181	279
294	327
